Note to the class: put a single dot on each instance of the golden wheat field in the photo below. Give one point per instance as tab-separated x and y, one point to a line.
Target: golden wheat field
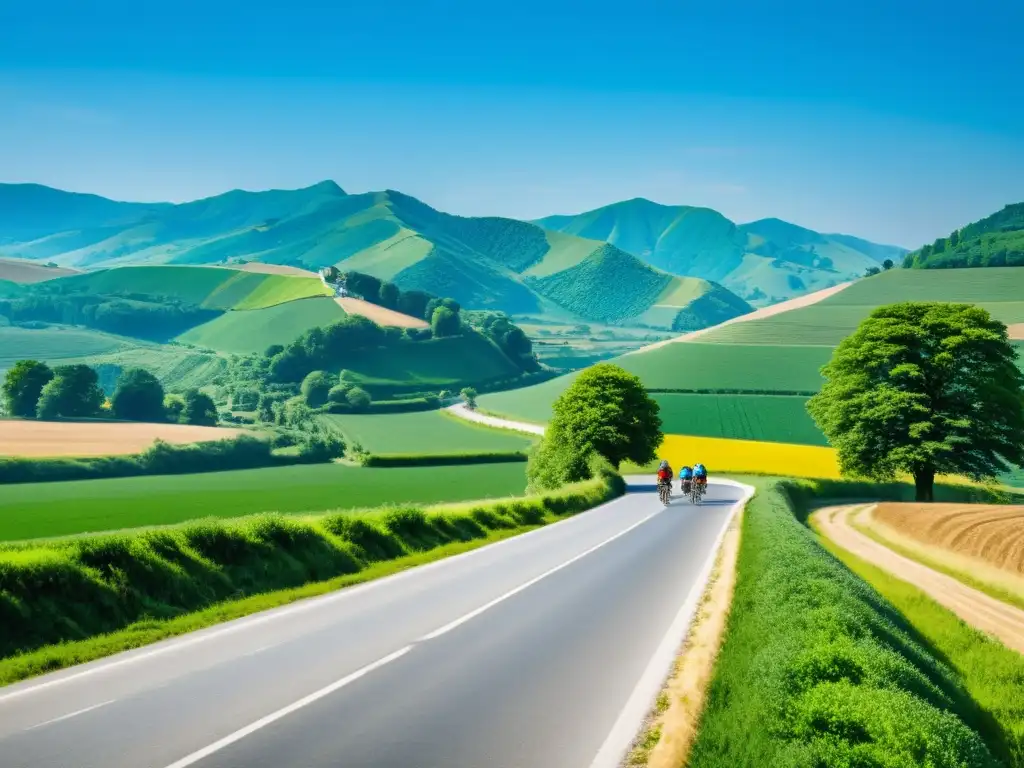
994	534
59	438
739	456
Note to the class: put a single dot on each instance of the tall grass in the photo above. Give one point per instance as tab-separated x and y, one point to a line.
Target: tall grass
818	669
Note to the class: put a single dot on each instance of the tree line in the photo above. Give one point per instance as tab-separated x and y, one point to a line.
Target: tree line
137	316
33	390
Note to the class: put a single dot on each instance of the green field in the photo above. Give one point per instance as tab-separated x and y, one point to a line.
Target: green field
435	363
178	368
998	290
771	418
278	289
241	332
210	287
685	366
427	432
60	509
56	344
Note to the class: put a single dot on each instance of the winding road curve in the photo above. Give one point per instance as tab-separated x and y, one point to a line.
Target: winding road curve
545	650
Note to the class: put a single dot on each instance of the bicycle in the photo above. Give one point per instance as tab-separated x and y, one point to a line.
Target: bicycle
665	493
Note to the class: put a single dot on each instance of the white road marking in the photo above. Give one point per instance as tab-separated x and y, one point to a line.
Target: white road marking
240	734
71	714
653	678
473	614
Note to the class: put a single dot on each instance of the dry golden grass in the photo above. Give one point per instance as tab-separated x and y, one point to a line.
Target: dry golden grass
994	534
22	271
60	438
379	315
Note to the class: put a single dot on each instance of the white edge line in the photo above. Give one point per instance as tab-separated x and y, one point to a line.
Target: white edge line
71	714
622	734
526	585
172	645
198	755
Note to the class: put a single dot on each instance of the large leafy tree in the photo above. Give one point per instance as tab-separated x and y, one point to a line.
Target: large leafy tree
606	412
73	392
199	409
139	396
926	389
23	385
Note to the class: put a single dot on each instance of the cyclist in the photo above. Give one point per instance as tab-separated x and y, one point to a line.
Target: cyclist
664	473
700	474
685	478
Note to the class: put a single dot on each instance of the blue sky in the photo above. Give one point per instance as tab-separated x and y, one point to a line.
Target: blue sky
896	121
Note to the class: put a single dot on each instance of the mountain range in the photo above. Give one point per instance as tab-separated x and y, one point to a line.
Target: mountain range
635	262
764	261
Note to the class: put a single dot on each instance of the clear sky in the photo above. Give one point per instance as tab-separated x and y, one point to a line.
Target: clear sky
895	120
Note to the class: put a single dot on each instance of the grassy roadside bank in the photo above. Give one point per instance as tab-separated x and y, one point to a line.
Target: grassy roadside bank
818	669
67	601
992	674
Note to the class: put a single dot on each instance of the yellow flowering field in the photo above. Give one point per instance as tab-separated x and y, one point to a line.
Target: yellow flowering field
725	455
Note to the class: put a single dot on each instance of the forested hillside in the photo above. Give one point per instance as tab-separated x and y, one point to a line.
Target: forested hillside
995	241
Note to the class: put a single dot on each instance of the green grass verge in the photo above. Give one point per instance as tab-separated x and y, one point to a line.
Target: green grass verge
425	432
817	669
67	601
992	674
34	510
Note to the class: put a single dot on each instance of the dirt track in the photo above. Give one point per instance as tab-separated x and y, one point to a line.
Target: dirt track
380	315
976	608
1016	331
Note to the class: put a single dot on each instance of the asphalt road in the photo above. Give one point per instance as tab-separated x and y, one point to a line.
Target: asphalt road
543	651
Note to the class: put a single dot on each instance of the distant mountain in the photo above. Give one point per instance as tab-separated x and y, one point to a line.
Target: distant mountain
995	241
484	263
763	261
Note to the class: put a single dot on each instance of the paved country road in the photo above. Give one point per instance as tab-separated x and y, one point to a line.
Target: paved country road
544	651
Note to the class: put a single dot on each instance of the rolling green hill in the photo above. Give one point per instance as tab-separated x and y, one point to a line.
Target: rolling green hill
778	356
244	331
210	288
764	261
995	241
483	263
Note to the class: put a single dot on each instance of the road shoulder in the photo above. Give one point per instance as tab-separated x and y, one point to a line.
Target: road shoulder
671	727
